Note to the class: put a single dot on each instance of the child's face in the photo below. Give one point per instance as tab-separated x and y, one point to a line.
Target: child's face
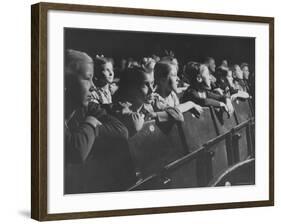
212	65
107	72
246	72
171	83
83	85
206	77
238	72
143	93
174	79
229	77
224	63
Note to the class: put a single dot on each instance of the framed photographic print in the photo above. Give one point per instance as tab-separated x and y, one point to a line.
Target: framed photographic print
138	111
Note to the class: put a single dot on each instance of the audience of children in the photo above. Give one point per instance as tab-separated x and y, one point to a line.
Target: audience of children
147	89
150	89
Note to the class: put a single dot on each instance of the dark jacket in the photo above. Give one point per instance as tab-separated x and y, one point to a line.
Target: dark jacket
210	98
123	111
223	84
80	136
107	164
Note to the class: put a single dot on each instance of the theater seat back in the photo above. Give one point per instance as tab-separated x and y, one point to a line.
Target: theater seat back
198	131
155	146
242	110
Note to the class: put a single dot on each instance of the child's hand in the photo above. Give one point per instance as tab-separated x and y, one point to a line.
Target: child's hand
229	106
126	108
93	121
154	96
198	108
113	88
138	121
219	91
233	97
224	107
95	97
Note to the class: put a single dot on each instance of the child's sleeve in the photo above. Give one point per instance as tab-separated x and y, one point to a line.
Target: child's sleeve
192	95
111	126
79	142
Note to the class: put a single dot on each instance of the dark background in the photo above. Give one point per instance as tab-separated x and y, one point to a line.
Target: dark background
124	44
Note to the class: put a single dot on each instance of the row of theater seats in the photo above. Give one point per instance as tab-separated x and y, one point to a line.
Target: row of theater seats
202	151
214	149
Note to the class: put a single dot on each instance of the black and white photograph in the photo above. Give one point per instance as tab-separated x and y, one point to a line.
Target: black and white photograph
157	111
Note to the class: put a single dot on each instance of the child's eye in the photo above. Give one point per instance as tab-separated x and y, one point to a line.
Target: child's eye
88	79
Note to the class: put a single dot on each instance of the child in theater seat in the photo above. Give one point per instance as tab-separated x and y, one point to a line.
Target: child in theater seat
104	77
166	79
225	81
133	104
209	66
238	78
135	99
248	78
91	136
200	90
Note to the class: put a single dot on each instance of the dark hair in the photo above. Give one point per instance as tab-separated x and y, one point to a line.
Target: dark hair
131	78
170	59
162	69
191	71
232	68
221	73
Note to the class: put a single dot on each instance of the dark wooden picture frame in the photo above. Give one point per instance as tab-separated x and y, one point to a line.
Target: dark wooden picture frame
39	106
